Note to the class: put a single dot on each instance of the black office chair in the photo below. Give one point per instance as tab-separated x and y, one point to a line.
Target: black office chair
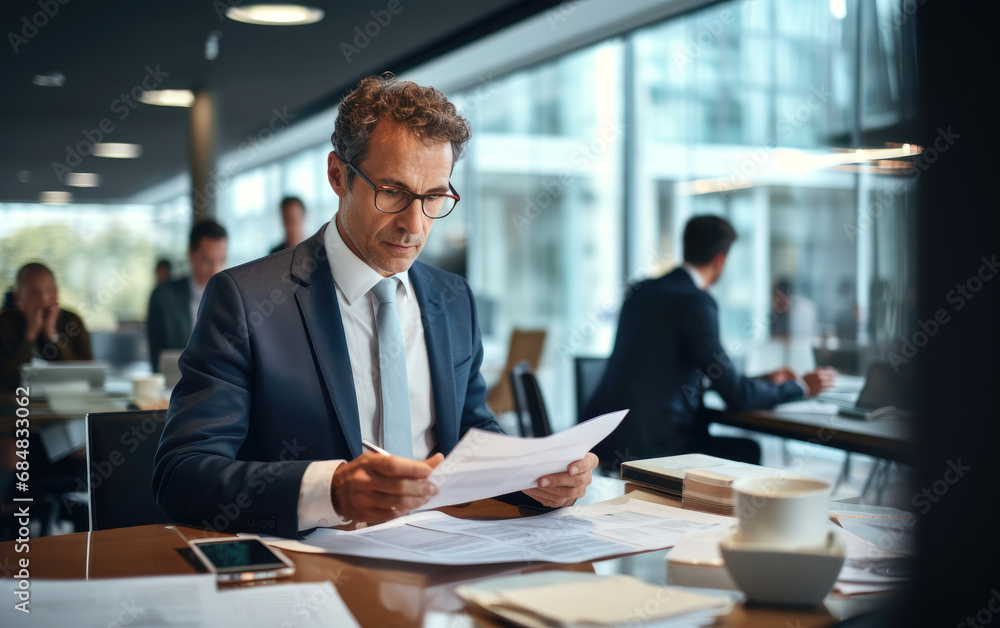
120	451
588	371
531	412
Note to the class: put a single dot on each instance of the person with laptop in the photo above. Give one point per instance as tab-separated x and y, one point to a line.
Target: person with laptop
668	352
38	327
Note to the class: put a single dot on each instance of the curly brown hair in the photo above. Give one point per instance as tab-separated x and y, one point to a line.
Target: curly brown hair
425	110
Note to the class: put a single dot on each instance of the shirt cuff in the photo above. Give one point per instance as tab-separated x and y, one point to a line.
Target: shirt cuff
315	508
802	384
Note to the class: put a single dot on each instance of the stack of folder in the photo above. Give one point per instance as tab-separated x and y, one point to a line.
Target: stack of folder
701	482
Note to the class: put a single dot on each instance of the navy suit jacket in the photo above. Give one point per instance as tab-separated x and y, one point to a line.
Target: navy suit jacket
168	323
666	351
266	388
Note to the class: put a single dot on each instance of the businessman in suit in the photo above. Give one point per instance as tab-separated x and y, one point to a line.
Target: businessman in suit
293	217
299	356
173	306
668	352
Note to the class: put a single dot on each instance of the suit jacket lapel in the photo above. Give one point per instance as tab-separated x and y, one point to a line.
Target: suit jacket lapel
434	317
317	301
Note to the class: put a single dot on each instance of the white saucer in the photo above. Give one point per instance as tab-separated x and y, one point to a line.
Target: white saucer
775	575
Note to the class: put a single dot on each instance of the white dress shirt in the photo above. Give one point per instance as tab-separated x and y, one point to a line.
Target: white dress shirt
696	276
196	292
354	280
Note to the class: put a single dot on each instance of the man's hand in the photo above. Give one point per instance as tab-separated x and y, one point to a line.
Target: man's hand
819	380
35	314
782	375
377	487
562	489
51	314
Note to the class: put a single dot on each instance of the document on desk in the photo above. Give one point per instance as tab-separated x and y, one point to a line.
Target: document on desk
568	535
486	464
182	601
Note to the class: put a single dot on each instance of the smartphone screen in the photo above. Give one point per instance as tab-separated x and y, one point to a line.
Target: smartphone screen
240	555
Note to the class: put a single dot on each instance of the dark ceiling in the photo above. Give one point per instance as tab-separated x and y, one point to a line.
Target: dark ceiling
104	50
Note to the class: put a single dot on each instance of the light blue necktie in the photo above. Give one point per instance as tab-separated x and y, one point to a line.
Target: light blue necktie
396	436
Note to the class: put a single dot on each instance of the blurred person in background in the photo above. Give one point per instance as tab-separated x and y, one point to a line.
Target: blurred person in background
163	268
38	327
668	351
293	217
173	306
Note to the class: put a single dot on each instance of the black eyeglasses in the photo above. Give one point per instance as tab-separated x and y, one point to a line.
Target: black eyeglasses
390	199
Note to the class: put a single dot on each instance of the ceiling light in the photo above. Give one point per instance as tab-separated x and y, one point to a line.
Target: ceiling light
114	150
82	179
275	14
49	79
55	197
168	97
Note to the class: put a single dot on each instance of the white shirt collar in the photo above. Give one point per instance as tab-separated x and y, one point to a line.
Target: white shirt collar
696	276
352	274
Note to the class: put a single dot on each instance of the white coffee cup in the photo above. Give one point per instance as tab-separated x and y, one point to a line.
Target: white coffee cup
782	511
150	388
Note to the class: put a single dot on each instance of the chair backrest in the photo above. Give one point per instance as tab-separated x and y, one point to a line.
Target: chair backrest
120	451
530	405
525	344
588	371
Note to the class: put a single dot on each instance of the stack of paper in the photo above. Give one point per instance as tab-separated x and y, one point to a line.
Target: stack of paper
568	535
563	598
711	489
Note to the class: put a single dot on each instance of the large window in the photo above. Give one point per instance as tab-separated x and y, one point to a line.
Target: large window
103	256
585	166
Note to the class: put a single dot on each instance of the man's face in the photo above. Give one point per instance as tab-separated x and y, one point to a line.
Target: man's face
389	243
37	290
208	259
293	216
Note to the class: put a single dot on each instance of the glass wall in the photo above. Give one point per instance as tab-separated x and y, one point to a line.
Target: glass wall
103	256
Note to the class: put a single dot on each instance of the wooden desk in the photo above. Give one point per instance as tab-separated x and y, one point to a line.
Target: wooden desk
887	438
378	592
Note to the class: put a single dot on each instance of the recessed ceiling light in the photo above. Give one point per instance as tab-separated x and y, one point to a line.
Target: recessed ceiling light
55	197
275	14
114	150
82	179
49	79
168	97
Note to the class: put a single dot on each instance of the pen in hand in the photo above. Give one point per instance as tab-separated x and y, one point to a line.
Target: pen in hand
372	447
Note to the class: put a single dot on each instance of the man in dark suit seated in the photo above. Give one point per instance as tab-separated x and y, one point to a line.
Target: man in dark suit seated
668	352
297	357
293	218
173	306
38	327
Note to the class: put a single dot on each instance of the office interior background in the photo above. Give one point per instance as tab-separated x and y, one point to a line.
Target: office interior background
598	128
585	163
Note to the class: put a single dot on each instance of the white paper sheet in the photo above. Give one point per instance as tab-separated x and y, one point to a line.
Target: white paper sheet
182	601
486	464
568	535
